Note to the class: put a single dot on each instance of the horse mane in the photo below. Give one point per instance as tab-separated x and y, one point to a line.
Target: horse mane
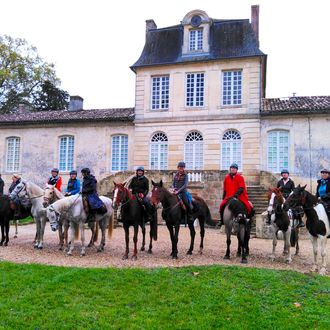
64	203
31	185
278	194
123	186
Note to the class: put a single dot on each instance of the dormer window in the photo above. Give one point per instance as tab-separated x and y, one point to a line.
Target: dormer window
196	39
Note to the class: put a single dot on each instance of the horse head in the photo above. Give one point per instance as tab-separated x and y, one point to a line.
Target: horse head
157	192
53	217
20	191
120	194
49	195
296	198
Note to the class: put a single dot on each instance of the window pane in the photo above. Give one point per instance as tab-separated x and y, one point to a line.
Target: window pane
232	87
160	92
119	150
194	151
195	89
13	154
158	152
66	153
231	149
278	150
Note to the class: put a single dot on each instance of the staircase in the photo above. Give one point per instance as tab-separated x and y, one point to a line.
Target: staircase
258	197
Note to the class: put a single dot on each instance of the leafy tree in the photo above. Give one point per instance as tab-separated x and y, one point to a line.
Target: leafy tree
26	79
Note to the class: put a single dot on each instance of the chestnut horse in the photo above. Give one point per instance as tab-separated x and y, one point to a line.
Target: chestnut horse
173	214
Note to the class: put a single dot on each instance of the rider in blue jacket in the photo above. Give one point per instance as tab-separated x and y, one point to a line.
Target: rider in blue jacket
73	184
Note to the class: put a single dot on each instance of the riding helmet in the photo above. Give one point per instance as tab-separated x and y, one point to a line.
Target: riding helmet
234	165
324	170
86	170
285	171
73	172
181	164
55	170
140	168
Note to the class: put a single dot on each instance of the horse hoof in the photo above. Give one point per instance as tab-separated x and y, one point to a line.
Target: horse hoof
189	252
323	271
174	257
150	251
40	247
15	236
100	249
1	243
288	261
142	248
244	261
69	254
200	252
125	257
134	257
35	246
82	254
226	257
90	245
6	244
60	248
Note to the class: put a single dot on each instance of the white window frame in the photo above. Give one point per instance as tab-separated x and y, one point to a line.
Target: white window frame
195	39
194	151
13	154
121	164
160	92
281	157
158	159
67	153
231	141
232	87
195	87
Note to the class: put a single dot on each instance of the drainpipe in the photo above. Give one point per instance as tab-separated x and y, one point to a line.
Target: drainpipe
310	153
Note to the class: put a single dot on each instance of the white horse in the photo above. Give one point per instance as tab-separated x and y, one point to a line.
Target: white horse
27	191
73	209
317	223
279	222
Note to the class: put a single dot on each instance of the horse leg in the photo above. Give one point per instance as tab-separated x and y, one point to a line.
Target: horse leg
143	227
242	231
16	228
2	234
72	235
60	236
82	234
314	243
7	226
126	228
37	237
192	236
91	242
297	241
102	243
176	240
135	240
42	232
228	241
65	234
202	234
272	256
323	269
287	245
150	242
171	231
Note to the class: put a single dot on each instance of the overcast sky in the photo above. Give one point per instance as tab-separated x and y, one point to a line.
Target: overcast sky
93	43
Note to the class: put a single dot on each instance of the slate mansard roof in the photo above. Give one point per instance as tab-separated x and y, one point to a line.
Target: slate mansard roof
66	116
228	39
296	105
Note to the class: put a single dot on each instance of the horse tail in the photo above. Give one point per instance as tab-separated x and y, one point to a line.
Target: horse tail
110	226
154	226
205	210
96	235
76	231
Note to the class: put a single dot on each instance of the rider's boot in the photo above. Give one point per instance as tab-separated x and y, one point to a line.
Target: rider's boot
301	223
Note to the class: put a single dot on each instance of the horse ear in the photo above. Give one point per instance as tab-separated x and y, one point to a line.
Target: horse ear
161	183
152	182
303	187
115	184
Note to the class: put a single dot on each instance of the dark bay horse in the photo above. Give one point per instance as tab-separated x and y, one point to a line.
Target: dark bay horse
6	213
234	217
173	213
132	214
317	223
280	221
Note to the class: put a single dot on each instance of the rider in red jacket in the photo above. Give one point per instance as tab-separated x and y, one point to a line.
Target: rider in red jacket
55	179
234	186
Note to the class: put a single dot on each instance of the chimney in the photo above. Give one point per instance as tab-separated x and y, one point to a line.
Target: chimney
255	20
21	108
150	24
76	103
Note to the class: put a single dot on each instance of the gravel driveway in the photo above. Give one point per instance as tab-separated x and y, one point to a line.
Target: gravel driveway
21	250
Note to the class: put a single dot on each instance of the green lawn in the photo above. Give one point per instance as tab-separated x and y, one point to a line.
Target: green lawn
25	221
213	297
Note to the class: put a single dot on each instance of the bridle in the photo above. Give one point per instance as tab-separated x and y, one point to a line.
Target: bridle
157	199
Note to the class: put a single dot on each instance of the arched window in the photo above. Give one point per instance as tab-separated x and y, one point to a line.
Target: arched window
158	151
231	149
119	153
66	153
193	151
277	150
13	145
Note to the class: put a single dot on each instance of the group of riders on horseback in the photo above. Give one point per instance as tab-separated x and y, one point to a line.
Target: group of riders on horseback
233	187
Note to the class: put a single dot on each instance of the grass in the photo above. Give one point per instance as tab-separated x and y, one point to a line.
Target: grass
212	297
25	221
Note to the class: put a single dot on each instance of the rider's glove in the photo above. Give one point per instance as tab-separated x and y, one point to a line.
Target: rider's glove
140	195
